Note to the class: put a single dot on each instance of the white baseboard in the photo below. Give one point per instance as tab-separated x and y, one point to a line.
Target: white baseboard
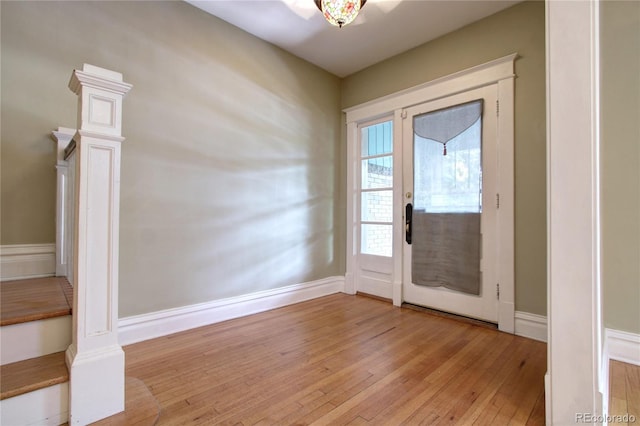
376	287
22	261
619	346
531	325
148	326
622	346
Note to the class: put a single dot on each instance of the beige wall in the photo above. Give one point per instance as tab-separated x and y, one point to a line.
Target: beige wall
620	160
228	169
226	132
520	29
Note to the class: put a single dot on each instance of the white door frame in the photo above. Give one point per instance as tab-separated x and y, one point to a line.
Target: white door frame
501	72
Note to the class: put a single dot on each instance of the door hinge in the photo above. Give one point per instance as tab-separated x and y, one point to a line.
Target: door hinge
403	114
498	108
497	201
498	291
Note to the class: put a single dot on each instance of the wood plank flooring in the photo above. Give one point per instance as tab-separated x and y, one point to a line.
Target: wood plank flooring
141	408
342	360
624	392
34	299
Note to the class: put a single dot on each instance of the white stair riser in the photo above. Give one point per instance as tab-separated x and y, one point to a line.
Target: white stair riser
44	407
33	339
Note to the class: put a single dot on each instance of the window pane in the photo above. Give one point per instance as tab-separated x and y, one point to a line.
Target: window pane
376	240
377	172
377	139
377	206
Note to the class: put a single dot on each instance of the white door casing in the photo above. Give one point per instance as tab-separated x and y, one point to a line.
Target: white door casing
499	72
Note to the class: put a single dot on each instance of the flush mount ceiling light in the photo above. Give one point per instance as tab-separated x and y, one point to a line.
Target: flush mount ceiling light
340	12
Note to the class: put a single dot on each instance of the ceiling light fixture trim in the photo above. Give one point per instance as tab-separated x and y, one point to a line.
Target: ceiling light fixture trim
340	12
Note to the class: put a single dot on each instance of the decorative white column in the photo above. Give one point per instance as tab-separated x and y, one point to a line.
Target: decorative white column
573	381
62	137
95	358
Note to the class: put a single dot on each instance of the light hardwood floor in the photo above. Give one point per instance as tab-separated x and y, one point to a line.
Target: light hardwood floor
624	393
342	360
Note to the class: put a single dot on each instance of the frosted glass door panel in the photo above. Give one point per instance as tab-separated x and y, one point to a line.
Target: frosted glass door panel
446	234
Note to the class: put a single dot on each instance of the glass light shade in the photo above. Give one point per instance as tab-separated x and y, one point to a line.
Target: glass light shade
340	12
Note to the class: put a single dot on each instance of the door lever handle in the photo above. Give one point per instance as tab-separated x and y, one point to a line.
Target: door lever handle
408	216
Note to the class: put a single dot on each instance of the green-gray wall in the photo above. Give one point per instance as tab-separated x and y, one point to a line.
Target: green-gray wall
228	167
519	29
234	165
620	161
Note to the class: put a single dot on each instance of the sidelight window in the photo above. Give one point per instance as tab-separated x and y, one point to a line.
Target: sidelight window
376	189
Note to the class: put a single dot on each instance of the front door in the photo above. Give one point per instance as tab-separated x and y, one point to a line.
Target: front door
450	189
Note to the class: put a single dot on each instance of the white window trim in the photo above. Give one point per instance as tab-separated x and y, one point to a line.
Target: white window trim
501	72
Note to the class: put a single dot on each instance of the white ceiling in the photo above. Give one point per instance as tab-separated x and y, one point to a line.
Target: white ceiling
383	28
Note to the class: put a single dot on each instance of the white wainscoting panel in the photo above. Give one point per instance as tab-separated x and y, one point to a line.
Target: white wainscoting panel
531	325
148	326
21	261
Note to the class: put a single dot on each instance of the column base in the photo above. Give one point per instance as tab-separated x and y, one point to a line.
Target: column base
96	384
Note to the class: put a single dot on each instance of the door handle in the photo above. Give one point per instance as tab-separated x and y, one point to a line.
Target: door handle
408	215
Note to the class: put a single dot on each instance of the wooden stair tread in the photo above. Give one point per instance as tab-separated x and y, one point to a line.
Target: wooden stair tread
34	299
32	374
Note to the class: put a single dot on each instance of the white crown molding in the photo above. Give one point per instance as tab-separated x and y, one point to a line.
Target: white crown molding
161	323
22	261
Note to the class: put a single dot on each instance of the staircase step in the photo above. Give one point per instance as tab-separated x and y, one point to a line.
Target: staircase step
32	374
35	391
35	318
34	299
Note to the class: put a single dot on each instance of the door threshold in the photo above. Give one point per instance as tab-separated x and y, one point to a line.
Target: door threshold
456	317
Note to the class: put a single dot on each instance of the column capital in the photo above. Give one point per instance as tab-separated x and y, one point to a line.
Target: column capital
100	92
98	78
62	137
